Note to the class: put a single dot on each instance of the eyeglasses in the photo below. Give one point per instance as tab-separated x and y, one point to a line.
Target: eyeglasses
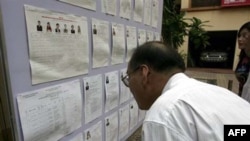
125	79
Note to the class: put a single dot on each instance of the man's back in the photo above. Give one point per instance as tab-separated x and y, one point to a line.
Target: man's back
192	110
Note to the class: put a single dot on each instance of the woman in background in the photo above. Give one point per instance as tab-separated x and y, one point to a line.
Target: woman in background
242	69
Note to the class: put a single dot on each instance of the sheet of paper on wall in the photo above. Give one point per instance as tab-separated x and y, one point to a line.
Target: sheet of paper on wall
130	93
94	133
93	97
78	137
141	115
118	46
125	9
50	113
133	113
101	48
55	50
141	35
138	10
111	127
111	90
147	12
131	41
155	13
88	4
149	36
109	7
124	121
124	95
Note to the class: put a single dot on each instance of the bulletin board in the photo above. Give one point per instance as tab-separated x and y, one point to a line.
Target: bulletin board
64	60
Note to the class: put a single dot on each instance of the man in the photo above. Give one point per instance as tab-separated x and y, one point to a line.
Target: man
39	26
72	29
65	30
57	29
179	108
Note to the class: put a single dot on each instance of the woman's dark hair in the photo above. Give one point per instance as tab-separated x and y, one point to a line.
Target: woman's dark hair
244	26
242	54
158	56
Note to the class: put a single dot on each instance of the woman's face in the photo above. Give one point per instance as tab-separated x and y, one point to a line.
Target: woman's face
244	41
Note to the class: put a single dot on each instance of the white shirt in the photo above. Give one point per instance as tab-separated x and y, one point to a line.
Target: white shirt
190	110
246	90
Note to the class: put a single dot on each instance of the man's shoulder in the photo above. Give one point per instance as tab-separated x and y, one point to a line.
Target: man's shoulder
164	106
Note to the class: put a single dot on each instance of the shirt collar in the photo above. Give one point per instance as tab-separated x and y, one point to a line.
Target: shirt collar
174	80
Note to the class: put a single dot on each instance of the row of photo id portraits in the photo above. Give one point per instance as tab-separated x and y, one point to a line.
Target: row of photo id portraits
145	35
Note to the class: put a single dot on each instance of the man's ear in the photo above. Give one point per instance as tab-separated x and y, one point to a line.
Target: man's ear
145	70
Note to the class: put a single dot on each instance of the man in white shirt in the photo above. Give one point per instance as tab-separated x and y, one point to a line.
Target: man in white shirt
179	108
